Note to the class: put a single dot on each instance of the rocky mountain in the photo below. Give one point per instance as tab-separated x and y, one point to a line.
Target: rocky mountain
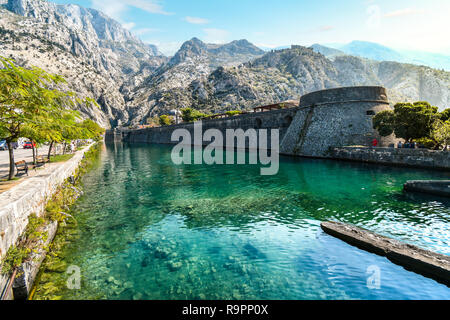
166	88
328	52
372	51
133	81
277	76
379	52
98	57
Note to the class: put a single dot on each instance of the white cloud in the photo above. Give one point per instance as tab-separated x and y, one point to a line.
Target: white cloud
196	20
325	28
402	13
128	25
112	8
215	35
142	31
393	29
151	6
373	17
116	8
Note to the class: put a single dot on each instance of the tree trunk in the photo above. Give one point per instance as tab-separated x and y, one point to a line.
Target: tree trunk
34	152
64	149
50	150
11	160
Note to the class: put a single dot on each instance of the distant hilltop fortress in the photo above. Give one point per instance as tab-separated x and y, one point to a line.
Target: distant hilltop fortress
323	120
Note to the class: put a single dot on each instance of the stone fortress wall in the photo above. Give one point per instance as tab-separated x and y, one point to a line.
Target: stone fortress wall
277	119
334	118
324	119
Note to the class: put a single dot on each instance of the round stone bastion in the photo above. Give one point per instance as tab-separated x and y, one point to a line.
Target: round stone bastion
345	95
335	118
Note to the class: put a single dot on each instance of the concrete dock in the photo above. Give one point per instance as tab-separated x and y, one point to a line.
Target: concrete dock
436	187
427	263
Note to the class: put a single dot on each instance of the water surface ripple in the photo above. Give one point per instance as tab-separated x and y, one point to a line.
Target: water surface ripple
153	230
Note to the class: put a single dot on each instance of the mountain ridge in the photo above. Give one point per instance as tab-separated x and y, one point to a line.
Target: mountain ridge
132	81
283	75
375	51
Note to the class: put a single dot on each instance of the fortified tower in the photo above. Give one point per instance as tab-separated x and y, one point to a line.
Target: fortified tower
323	120
335	118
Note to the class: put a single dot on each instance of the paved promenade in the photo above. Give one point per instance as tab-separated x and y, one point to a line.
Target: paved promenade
19	155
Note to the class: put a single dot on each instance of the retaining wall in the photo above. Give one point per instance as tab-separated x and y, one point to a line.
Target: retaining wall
422	158
30	196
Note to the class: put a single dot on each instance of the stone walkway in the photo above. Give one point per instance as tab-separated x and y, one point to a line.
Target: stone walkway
30	195
19	155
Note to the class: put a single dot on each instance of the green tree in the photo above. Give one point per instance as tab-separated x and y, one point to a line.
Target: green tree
45	129
166	120
441	133
409	121
55	127
153	122
233	113
191	115
445	115
383	122
28	99
72	130
90	130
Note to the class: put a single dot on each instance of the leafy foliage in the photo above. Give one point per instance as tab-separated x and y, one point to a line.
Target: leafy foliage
153	122
91	130
16	255
384	123
166	120
32	107
409	121
233	113
441	133
445	115
14	258
191	115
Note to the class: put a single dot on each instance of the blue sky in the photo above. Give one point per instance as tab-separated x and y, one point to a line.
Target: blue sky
403	24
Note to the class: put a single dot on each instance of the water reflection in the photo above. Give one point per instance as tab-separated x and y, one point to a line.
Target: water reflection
153	230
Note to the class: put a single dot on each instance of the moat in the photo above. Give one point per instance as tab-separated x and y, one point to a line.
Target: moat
151	230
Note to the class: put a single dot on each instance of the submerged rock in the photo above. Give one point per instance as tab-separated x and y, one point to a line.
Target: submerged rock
202	296
138	296
252	252
146	261
175	266
161	253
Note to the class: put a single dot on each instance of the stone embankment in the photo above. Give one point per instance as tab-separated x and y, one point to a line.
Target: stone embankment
412	258
31	196
435	187
418	158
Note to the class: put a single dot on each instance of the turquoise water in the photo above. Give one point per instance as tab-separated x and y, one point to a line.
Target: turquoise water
153	230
